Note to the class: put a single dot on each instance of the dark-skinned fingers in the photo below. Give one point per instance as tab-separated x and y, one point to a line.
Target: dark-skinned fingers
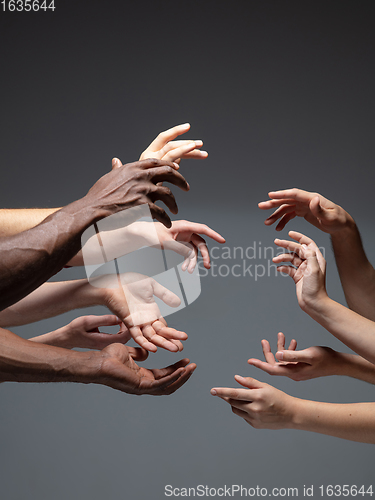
160	214
184	377
137	353
152	163
168	174
163	372
164	194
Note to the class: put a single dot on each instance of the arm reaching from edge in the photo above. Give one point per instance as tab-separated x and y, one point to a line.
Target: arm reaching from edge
313	362
14	221
356	272
60	297
114	366
355	331
265	407
84	333
31	257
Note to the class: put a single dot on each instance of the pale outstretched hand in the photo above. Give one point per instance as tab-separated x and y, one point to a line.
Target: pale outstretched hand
316	209
190	233
166	148
84	332
260	404
306	364
307	269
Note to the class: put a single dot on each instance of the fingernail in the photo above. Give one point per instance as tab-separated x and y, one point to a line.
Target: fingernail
177	166
213	392
280	355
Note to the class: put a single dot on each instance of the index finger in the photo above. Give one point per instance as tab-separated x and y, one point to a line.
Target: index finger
168	135
227	392
166	173
293	194
153	163
196	227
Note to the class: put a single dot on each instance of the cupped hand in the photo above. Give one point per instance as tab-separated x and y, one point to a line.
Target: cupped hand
119	371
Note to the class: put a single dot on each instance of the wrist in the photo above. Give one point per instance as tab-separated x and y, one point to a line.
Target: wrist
347	229
295	405
314	304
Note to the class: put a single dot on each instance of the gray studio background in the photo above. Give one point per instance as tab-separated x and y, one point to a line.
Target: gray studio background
282	94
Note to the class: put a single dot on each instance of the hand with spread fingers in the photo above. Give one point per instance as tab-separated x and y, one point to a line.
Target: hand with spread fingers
164	147
307	269
320	212
135	184
306	364
183	231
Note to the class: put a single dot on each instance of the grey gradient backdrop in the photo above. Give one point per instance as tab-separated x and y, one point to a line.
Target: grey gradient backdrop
282	93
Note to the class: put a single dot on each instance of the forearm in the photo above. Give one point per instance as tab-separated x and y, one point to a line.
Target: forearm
30	258
355	366
355	331
355	421
49	300
14	221
56	338
356	272
25	361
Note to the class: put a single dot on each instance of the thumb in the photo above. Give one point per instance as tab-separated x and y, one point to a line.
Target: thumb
316	209
250	383
116	163
294	356
168	297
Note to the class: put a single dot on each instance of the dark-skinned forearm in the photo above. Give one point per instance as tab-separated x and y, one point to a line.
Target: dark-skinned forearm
30	258
25	361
